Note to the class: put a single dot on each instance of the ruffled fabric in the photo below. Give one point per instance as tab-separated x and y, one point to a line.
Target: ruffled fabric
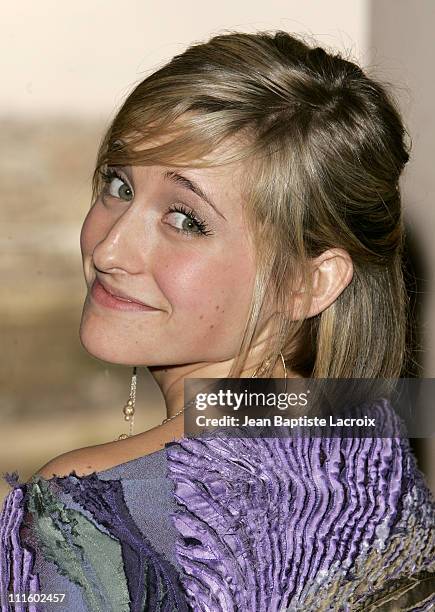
263	525
108	557
296	523
152	580
16	562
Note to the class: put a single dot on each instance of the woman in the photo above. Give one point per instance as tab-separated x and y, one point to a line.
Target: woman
246	222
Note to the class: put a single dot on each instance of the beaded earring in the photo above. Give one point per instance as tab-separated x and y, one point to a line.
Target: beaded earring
129	407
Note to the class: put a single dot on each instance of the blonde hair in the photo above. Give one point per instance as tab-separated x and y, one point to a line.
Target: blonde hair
325	145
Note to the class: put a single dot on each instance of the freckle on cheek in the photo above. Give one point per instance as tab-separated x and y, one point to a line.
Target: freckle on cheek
211	326
201	317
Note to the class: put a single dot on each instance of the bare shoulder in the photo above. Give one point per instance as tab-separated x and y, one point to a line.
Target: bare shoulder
105	456
82	461
101	457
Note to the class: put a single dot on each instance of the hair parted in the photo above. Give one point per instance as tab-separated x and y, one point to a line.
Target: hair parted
324	146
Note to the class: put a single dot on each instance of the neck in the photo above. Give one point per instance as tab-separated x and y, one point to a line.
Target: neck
170	379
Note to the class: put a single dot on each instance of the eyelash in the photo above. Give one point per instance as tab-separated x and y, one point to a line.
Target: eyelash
111	173
202	225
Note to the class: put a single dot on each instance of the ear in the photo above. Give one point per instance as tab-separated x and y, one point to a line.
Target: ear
332	272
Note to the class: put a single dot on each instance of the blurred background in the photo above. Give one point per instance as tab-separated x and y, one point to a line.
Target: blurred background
66	68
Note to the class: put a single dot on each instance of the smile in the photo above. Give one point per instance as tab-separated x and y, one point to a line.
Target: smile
106	299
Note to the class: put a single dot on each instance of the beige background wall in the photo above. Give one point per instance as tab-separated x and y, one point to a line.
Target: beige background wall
83	56
402	42
65	68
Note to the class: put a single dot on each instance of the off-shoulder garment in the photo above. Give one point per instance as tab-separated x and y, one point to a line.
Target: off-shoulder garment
225	524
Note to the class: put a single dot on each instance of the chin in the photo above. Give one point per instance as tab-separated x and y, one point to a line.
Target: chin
112	346
103	351
102	346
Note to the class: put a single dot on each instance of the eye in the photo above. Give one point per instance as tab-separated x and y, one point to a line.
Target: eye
189	224
116	185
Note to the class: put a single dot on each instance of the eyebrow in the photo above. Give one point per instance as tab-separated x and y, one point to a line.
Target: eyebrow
183	181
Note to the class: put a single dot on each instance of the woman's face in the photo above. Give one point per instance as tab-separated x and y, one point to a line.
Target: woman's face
139	241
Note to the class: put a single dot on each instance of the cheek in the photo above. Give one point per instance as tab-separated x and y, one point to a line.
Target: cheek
210	291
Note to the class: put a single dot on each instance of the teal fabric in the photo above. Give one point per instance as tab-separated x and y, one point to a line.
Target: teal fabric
149	498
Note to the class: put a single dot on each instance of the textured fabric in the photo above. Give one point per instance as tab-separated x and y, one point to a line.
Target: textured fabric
301	524
132	503
15	561
250	524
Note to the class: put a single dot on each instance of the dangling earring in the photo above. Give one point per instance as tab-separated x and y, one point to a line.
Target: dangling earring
128	409
263	367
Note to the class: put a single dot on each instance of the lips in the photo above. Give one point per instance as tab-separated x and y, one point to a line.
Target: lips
121	295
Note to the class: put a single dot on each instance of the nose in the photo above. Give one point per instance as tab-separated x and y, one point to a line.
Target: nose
123	247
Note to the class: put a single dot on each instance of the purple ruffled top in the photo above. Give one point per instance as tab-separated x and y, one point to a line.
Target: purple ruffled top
238	525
